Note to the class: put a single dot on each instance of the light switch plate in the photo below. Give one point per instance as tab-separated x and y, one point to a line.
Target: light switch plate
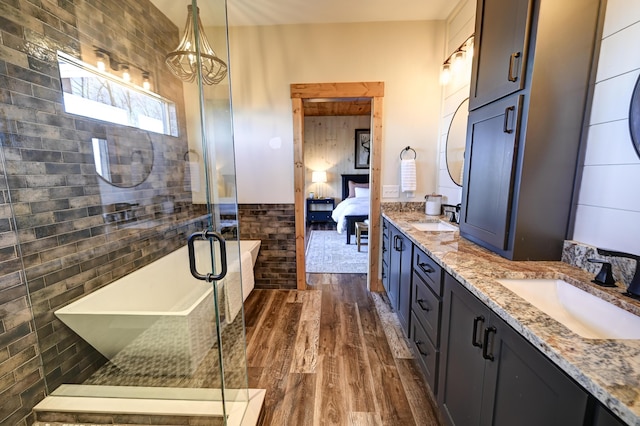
390	191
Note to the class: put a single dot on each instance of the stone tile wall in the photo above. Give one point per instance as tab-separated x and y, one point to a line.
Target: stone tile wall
274	225
58	201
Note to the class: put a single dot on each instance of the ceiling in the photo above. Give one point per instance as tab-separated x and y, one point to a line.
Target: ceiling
282	12
286	12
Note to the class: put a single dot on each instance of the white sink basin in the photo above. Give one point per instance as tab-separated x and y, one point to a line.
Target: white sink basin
434	226
581	312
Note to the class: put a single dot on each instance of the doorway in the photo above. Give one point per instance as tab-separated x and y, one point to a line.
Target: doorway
374	92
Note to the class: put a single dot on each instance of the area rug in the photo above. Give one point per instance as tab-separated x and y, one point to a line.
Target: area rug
327	252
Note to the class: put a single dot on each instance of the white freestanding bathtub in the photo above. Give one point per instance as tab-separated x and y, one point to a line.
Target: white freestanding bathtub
161	313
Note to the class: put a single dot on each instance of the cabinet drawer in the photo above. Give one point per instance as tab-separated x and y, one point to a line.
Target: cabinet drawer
426	307
428	270
427	353
319	216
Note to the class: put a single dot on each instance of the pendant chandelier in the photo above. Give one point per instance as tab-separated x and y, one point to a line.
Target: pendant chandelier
183	61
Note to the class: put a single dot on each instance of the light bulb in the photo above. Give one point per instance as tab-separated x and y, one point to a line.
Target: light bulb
445	75
458	61
125	73
146	84
470	48
100	61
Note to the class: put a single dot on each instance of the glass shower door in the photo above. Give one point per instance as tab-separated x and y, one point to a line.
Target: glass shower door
105	198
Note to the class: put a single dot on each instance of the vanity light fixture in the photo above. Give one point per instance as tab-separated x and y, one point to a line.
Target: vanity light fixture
184	61
104	58
454	63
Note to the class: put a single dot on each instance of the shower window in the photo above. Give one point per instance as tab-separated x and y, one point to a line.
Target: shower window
99	95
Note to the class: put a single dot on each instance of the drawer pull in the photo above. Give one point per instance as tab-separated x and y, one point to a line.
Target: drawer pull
424	308
419	344
477	320
426	268
485	343
512	60
505	125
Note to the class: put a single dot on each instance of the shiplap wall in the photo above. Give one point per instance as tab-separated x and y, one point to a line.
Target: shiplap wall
608	211
329	145
460	25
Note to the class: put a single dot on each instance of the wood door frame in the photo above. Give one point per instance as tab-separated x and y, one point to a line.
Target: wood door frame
375	92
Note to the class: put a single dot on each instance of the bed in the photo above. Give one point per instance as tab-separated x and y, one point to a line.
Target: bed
352	209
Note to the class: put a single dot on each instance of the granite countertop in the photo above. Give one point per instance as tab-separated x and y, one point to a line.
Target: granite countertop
608	369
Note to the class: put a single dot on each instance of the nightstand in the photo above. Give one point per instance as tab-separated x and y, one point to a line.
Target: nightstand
320	209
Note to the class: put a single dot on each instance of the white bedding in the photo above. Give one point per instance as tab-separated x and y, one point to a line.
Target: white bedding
349	207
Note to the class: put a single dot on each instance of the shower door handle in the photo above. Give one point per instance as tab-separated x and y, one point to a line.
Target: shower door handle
204	236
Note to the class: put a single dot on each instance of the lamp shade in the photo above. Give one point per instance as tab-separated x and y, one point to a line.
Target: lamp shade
317	177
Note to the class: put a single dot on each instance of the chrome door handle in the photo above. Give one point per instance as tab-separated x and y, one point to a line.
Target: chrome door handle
204	236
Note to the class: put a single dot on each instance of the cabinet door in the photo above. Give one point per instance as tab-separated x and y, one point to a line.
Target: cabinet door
500	58
492	136
603	417
522	387
404	290
461	363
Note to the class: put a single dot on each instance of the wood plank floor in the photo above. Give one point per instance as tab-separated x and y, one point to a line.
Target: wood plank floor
324	357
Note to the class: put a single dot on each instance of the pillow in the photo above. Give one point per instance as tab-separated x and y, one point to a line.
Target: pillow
353	186
362	192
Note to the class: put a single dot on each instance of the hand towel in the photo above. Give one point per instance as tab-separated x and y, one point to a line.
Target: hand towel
408	175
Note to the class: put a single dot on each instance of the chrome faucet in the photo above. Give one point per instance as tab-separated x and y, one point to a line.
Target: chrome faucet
634	287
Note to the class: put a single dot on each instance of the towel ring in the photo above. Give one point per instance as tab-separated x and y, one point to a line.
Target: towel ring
187	155
408	148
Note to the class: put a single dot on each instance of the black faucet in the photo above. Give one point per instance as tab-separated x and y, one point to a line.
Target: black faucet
454	213
634	287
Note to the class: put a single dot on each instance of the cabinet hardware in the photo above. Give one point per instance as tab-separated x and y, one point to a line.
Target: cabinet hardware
505	125
424	308
426	268
418	345
512	61
397	239
477	320
485	343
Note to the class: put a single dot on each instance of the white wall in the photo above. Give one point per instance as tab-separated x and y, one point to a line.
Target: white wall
459	26
608	212
265	60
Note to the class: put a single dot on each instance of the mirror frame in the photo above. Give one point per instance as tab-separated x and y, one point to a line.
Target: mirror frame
453	118
634	117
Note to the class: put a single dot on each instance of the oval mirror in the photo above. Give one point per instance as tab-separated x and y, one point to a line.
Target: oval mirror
124	158
634	117
456	140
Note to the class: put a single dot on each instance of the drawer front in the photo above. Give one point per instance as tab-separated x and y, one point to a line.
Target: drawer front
319	216
428	270
427	354
426	307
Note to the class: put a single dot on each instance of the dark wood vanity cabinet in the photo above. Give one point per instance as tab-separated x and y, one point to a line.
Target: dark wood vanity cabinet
525	123
398	273
502	33
490	375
